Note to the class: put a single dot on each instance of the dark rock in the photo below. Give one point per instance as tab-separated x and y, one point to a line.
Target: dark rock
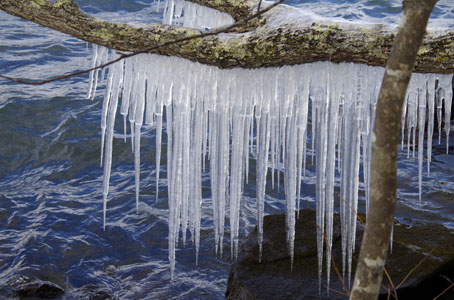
429	245
39	290
101	295
92	292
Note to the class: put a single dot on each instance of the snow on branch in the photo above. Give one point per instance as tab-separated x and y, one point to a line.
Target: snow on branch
238	9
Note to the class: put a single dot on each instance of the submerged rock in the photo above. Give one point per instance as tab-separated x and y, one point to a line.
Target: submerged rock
39	290
35	289
428	247
92	292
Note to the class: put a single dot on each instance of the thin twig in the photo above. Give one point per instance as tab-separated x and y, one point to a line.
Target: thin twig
449	280
336	291
216	31
339	275
445	290
391	282
335	267
385	270
364	224
415	267
388	290
352	209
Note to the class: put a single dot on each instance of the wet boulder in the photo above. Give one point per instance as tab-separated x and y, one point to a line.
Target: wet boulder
93	292
39	290
421	263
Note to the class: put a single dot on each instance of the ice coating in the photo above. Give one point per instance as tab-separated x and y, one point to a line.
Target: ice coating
187	14
272	114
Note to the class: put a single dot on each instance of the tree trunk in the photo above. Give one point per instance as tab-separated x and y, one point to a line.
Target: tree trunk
383	184
274	40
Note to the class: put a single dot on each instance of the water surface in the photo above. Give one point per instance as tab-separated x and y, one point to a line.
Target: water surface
50	178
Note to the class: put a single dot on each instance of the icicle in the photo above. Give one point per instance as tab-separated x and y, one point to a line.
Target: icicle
105	107
187	14
219	156
172	210
445	88
439	95
352	110
431	94
248	138
138	121
303	100
128	76
422	99
196	186
263	140
236	180
354	167
239	146
403	118
320	147
138	77
168	12
158	145
411	119
314	122
112	109
104	57
92	73
100	55
332	100
186	163
227	116
290	179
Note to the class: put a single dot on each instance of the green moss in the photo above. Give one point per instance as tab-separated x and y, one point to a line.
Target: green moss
234	3
60	3
423	50
377	52
238	50
442	58
333	26
104	34
37	3
67	4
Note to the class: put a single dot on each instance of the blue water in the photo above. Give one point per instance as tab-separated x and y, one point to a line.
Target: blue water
50	178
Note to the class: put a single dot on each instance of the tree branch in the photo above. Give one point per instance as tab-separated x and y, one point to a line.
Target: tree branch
277	41
155	47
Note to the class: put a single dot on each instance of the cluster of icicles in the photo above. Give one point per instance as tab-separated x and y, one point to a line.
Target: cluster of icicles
280	116
187	14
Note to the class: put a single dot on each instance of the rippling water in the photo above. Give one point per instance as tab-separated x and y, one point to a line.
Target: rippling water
50	178
374	11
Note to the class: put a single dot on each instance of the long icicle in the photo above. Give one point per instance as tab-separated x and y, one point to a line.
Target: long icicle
213	117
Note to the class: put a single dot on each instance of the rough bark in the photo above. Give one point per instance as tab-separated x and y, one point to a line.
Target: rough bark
274	41
375	244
